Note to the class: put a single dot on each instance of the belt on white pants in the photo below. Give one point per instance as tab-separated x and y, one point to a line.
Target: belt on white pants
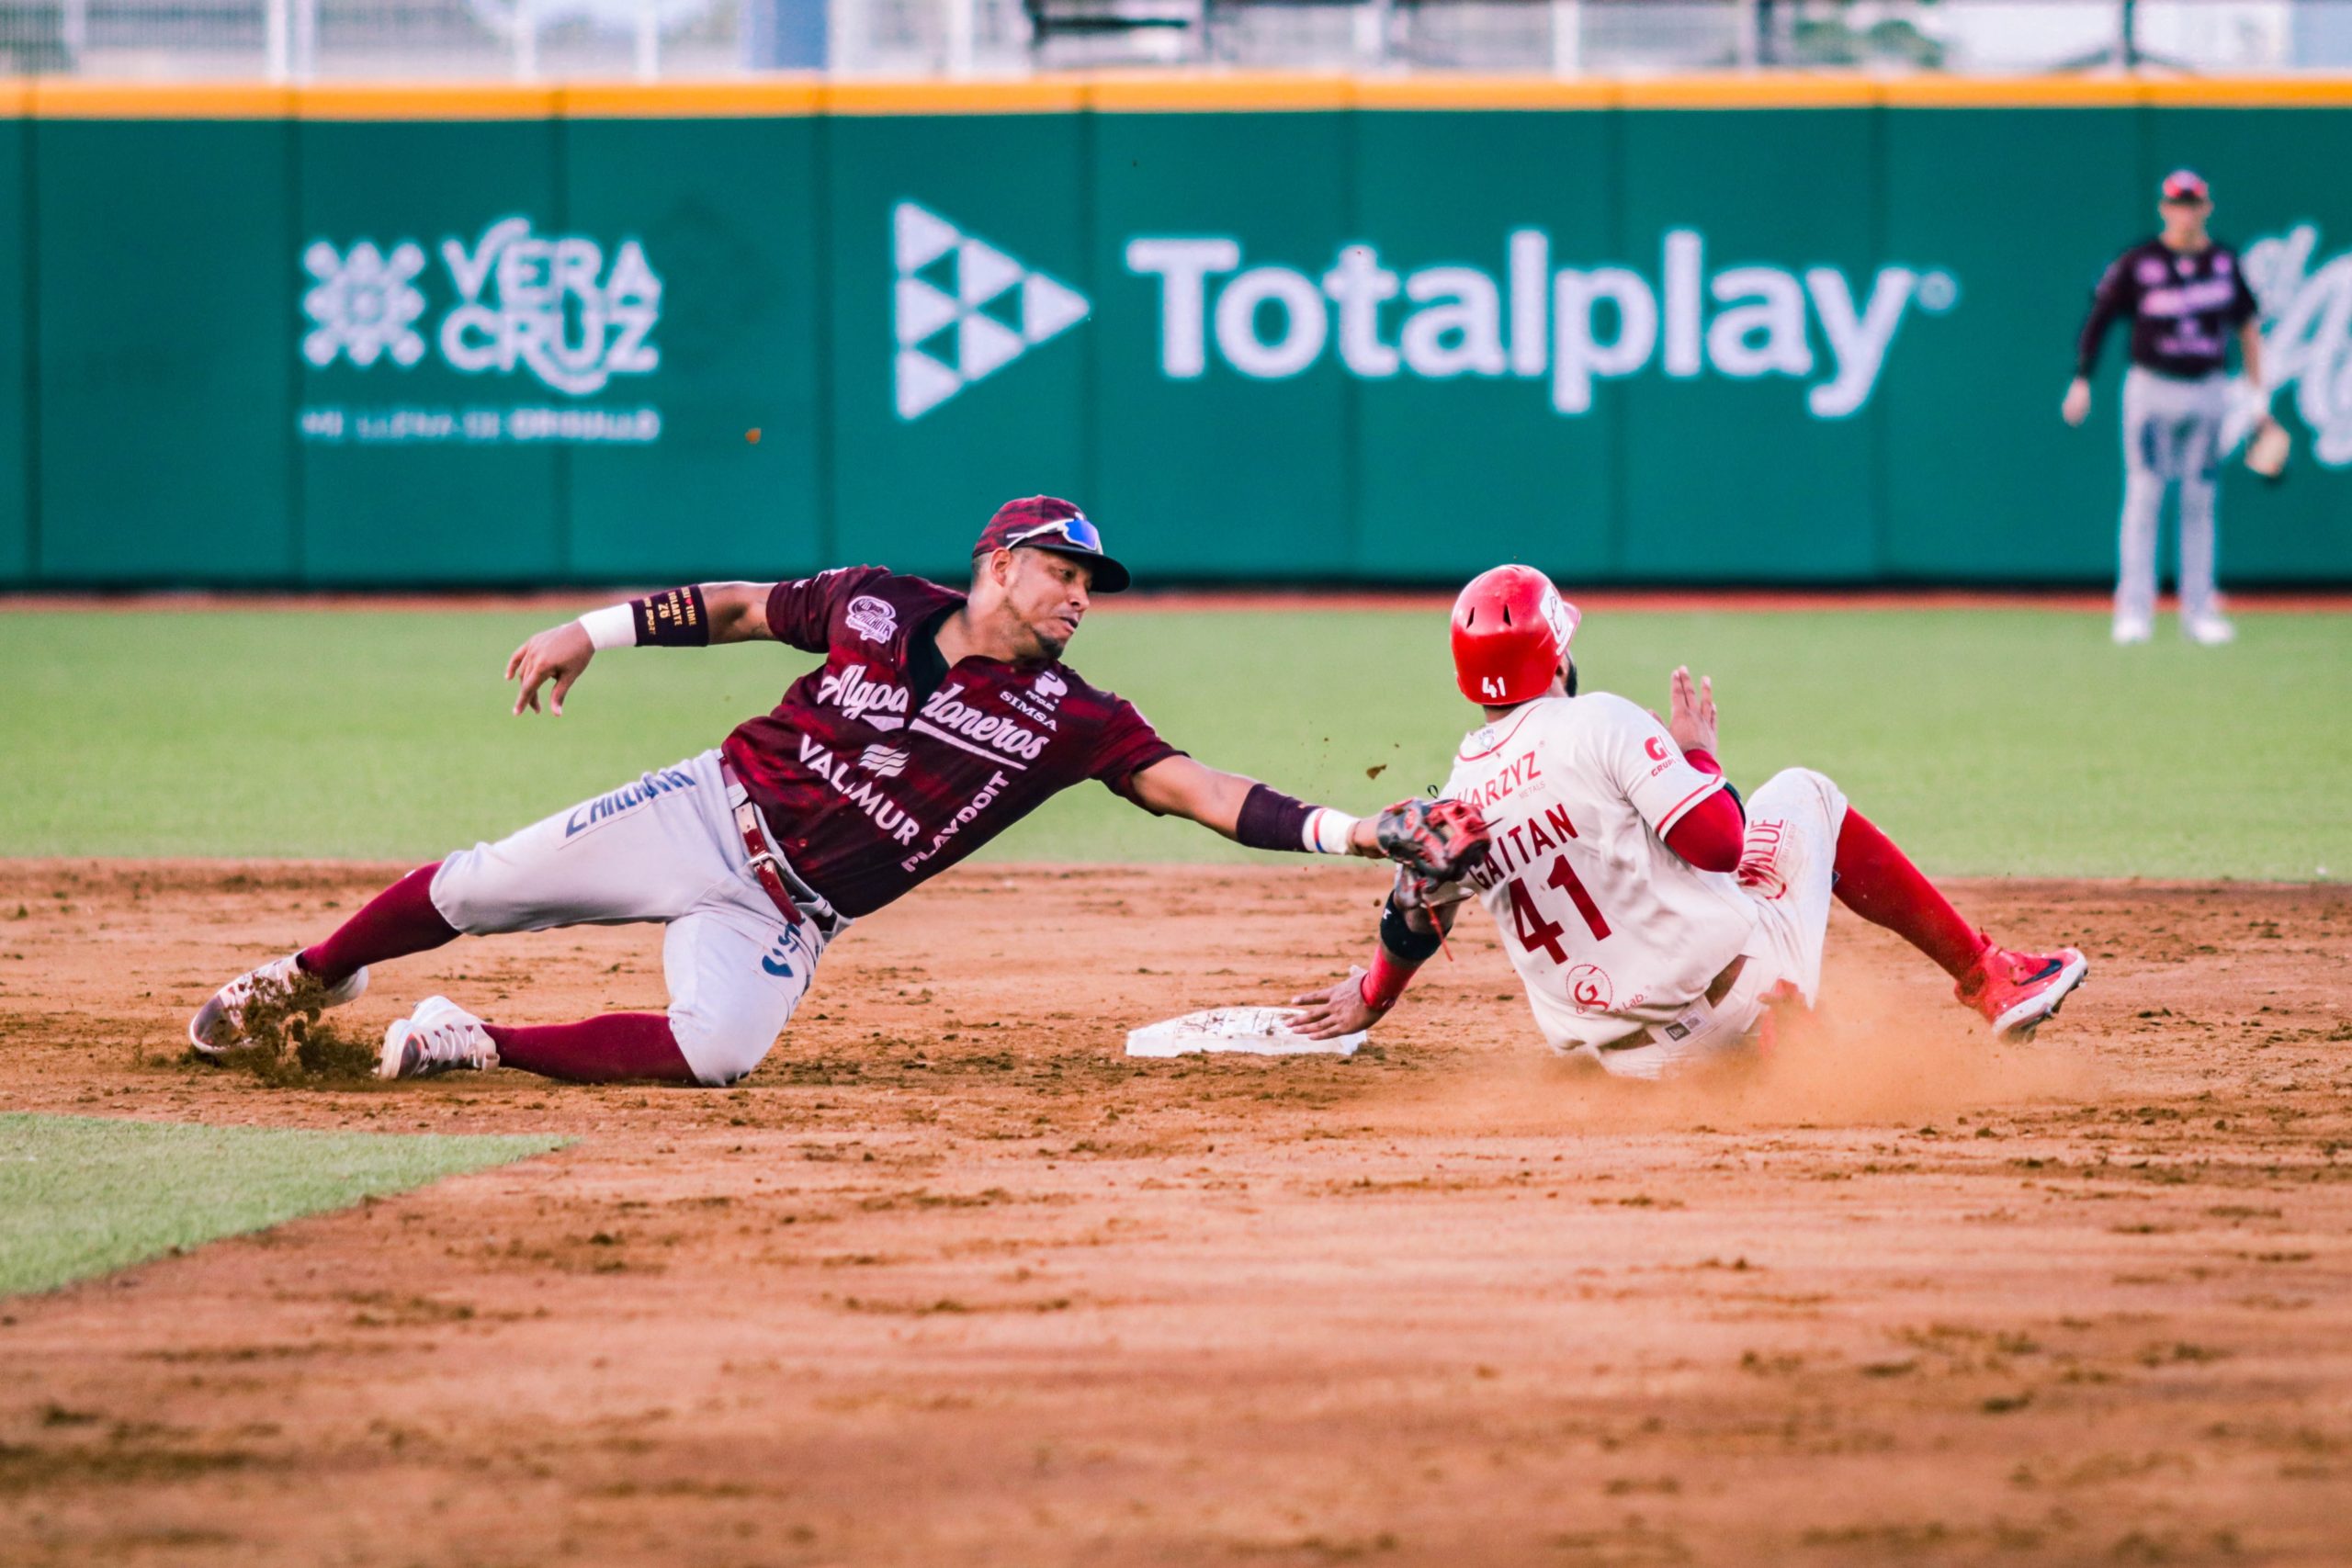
793	897
1717	989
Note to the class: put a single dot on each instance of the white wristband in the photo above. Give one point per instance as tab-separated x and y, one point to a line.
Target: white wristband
615	625
1326	832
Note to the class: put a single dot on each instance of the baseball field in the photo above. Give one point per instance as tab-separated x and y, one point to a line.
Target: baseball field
951	1280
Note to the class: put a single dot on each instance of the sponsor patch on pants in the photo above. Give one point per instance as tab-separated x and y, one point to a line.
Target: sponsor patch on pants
627	798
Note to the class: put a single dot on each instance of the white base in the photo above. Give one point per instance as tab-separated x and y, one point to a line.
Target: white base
1255	1031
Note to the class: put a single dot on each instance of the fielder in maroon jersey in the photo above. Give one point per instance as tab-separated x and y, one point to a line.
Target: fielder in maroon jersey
937	720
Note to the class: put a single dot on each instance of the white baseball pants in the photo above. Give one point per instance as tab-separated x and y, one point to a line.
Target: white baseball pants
663	847
1787	867
2172	435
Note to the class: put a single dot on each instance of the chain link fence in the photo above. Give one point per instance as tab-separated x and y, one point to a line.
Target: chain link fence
301	39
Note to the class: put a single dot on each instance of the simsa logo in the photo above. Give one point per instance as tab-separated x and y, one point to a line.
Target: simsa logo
1572	326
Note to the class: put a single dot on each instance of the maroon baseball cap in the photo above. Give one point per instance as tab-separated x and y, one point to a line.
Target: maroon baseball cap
1049	523
2185	184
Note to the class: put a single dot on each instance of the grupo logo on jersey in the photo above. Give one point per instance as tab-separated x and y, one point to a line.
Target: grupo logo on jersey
553	311
2307	332
1570	327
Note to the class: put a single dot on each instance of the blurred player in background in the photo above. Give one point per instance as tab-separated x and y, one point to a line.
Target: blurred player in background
1653	918
2184	295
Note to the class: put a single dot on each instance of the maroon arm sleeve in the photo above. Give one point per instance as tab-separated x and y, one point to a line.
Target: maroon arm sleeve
1272	820
1713	833
800	613
2114	296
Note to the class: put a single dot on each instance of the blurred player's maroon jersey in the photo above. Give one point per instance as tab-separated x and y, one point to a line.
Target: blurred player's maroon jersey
871	786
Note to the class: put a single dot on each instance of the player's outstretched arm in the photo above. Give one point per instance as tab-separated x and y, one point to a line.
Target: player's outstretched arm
1412	927
1251	813
683	617
1437	841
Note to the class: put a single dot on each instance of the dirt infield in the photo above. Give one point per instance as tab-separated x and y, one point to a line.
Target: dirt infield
950	1281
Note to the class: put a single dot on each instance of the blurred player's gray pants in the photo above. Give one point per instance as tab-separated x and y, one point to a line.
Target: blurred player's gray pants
2172	435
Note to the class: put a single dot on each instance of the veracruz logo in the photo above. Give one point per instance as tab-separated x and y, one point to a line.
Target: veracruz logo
554	306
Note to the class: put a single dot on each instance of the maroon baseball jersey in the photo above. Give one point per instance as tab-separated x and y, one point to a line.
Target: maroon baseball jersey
872	786
2182	306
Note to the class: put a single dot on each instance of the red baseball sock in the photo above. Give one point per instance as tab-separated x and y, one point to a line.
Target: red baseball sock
1878	881
596	1050
396	922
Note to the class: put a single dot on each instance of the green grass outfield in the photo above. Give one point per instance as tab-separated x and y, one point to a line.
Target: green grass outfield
82	1194
2012	741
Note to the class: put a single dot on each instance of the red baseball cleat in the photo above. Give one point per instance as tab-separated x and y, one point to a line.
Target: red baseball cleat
2015	991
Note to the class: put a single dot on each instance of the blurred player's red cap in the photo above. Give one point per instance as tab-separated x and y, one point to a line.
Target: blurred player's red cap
1049	522
1510	628
2185	184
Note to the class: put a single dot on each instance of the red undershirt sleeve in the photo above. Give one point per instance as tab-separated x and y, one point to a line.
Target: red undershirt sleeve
1711	834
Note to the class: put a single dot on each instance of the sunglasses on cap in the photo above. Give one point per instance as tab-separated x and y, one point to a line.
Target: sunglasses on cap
1075	531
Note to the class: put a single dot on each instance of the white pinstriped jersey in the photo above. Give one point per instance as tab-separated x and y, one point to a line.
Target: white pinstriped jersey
1607	928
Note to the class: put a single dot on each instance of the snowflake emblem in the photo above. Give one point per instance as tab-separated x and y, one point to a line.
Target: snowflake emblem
363	305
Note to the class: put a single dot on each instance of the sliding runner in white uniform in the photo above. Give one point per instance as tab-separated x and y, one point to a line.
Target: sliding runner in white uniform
1650	920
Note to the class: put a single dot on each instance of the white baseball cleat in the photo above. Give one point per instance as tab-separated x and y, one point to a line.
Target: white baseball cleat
2208	631
228	1003
2130	630
438	1037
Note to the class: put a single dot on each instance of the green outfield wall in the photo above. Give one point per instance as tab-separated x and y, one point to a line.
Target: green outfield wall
1776	330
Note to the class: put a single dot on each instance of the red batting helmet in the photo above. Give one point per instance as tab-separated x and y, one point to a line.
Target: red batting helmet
1510	631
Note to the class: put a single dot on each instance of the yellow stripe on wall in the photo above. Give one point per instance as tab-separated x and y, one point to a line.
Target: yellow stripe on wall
1144	92
1027	95
1762	90
785	96
65	98
432	100
1515	93
2013	92
2252	92
752	97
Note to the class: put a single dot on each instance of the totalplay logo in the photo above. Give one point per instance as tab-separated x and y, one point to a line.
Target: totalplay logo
964	309
1570	326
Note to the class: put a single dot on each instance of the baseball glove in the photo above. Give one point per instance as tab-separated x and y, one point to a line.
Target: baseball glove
1437	841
